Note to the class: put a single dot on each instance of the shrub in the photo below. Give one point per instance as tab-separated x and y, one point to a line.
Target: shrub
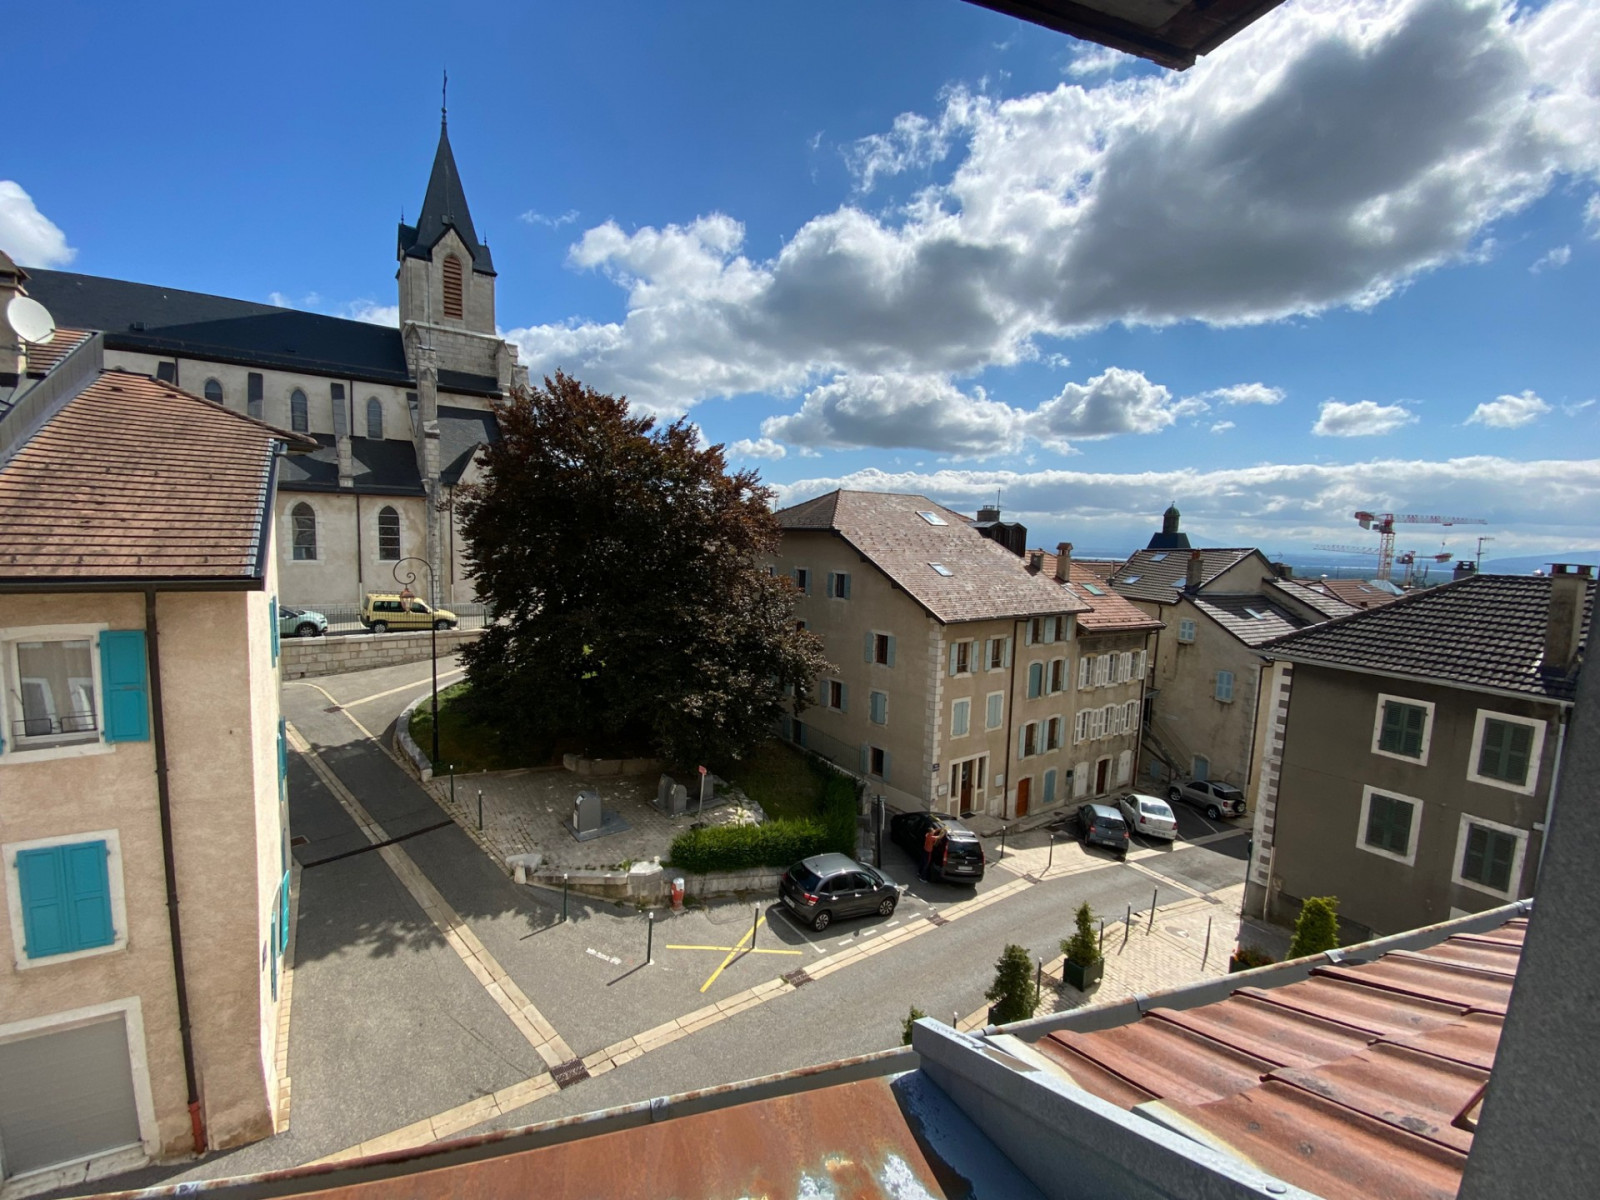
1012	994
1082	947
1246	957
741	847
915	1015
839	813
1317	928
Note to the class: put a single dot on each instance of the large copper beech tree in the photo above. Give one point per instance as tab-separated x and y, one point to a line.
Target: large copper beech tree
623	563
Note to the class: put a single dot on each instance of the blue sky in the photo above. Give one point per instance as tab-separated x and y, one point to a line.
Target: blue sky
1347	261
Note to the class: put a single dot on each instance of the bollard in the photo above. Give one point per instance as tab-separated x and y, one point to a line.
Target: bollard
480	810
1154	892
1127	924
1051	861
1102	933
453	786
650	939
1002	841
1206	953
755	924
563	896
1038	981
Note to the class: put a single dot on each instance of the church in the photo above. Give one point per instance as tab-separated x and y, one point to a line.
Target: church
398	414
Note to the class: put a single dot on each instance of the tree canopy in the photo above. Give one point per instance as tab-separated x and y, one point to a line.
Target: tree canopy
623	563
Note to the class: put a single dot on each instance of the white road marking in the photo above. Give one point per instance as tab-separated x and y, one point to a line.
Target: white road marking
615	962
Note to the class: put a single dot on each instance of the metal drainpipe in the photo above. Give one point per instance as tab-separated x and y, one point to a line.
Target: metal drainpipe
1011	704
1555	778
158	729
1138	742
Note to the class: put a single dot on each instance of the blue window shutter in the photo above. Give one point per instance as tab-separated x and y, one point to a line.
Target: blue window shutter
891	651
283	915
1035	679
89	885
844	697
44	902
866	646
272	615
886	766
866	757
125	686
845	580
283	750
952	658
1050	787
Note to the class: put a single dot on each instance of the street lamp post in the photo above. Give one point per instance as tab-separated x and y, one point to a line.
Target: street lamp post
406	597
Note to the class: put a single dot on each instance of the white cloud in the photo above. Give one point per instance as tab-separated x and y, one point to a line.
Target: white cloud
1247	189
538	218
1552	260
920	411
1573	410
372	312
1509	412
1098	60
1246	393
31	238
1591	216
757	448
1364	418
1115	401
369	311
1222	427
1535	505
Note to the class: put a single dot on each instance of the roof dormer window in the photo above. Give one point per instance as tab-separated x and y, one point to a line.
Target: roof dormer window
452	287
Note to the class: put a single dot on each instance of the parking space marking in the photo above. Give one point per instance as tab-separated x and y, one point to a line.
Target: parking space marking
760	921
747	949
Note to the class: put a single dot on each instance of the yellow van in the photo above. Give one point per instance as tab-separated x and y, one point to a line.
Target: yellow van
383	611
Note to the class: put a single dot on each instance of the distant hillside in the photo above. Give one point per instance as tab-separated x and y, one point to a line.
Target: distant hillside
1527	564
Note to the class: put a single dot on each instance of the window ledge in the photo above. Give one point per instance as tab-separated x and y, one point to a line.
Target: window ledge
24	963
18	756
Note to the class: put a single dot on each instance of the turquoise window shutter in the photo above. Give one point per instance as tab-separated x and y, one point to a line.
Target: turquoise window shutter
283	750
272	616
89	885
44	902
283	915
1050	787
1035	679
124	685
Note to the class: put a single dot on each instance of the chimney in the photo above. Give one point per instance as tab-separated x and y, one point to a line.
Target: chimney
1463	569
13	350
1035	561
1194	571
1569	586
989	512
1063	561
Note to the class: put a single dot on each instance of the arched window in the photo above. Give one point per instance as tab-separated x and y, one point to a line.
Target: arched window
388	534
214	391
452	286
374	417
305	532
299	421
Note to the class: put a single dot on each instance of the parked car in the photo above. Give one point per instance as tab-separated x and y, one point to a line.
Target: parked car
382	612
1102	825
300	622
826	886
1215	799
1148	815
959	858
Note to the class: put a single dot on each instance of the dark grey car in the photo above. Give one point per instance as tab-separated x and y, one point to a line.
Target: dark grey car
1102	825
827	886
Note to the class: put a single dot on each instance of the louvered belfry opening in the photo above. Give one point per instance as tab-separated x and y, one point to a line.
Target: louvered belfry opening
452	287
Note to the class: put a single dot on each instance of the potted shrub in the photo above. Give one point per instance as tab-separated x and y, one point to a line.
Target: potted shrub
1012	994
1084	963
1246	957
1317	929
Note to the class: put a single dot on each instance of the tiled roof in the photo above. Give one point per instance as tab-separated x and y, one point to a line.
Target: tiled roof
1254	620
1159	574
985	580
1314	596
134	479
1355	1082
387	466
42	357
1485	631
1108	612
1105	568
1357	593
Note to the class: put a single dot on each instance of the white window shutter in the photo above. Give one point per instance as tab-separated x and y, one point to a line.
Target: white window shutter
1083	672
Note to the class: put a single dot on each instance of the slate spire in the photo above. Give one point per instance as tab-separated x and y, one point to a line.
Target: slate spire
444	207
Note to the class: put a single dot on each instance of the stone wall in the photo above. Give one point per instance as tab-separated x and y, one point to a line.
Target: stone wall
306	657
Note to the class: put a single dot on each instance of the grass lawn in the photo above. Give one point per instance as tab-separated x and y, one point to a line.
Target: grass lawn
469	747
782	780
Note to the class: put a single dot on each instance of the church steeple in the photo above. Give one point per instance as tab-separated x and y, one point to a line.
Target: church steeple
444	207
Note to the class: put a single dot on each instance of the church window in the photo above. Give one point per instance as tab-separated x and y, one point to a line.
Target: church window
388	534
214	391
305	533
254	390
452	287
299	419
374	418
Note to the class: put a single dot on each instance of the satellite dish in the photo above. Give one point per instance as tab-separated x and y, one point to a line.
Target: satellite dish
31	320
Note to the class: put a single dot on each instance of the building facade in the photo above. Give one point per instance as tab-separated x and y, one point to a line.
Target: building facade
1419	749
397	412
143	815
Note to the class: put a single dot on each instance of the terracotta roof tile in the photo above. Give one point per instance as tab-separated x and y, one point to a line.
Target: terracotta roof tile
42	357
1108	612
132	478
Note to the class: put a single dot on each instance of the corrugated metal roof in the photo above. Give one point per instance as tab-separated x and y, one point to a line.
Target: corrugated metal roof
1352	1083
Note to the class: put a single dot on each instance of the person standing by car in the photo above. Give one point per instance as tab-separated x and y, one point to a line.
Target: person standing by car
930	843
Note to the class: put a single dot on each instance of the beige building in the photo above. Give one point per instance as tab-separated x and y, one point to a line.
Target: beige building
1217	606
963	679
143	823
397	413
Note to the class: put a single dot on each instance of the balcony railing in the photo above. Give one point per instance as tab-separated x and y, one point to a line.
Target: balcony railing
51	725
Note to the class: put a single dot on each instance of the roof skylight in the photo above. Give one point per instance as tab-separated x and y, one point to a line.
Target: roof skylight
940	567
1130	579
1258	614
1162	557
933	518
1096	591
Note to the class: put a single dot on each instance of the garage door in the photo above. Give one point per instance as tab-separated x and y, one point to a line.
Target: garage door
65	1096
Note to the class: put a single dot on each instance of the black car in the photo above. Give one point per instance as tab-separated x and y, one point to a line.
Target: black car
825	886
1102	825
958	858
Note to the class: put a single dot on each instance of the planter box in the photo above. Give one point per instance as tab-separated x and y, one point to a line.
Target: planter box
1083	978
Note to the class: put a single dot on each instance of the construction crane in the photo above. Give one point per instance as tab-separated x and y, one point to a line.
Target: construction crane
1406	558
1383	525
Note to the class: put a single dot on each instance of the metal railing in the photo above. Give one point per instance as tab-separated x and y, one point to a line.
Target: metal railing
54	724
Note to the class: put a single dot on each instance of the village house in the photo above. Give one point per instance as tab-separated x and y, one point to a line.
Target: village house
144	840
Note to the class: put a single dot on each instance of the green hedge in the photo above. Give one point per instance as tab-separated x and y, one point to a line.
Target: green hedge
776	843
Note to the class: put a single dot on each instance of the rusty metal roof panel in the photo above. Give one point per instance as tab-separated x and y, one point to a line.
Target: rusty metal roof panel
1473	1040
1092	1077
1429	979
1277	1035
1499	957
1168	1061
1328	1149
1348	1002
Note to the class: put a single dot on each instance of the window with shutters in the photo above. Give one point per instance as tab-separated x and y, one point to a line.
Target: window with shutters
802	579
961	657
65	897
1097	723
388	534
878	708
839	585
960	717
1389	824
836	695
1125	666
1052	734
1035	680
1056	680
994	710
1489	856
51	693
1186	630
1505	751
999	654
299	413
1028	743
1102	670
878	762
1085	673
375	418
880	649
453	285
1080	727
305	532
1130	716
1224	688
1402	728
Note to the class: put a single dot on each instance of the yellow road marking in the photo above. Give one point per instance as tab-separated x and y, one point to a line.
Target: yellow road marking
731	953
756	950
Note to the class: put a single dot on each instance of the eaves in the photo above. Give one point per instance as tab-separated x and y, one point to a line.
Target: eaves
1431	680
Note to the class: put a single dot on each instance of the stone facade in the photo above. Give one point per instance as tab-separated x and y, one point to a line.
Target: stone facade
306	658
